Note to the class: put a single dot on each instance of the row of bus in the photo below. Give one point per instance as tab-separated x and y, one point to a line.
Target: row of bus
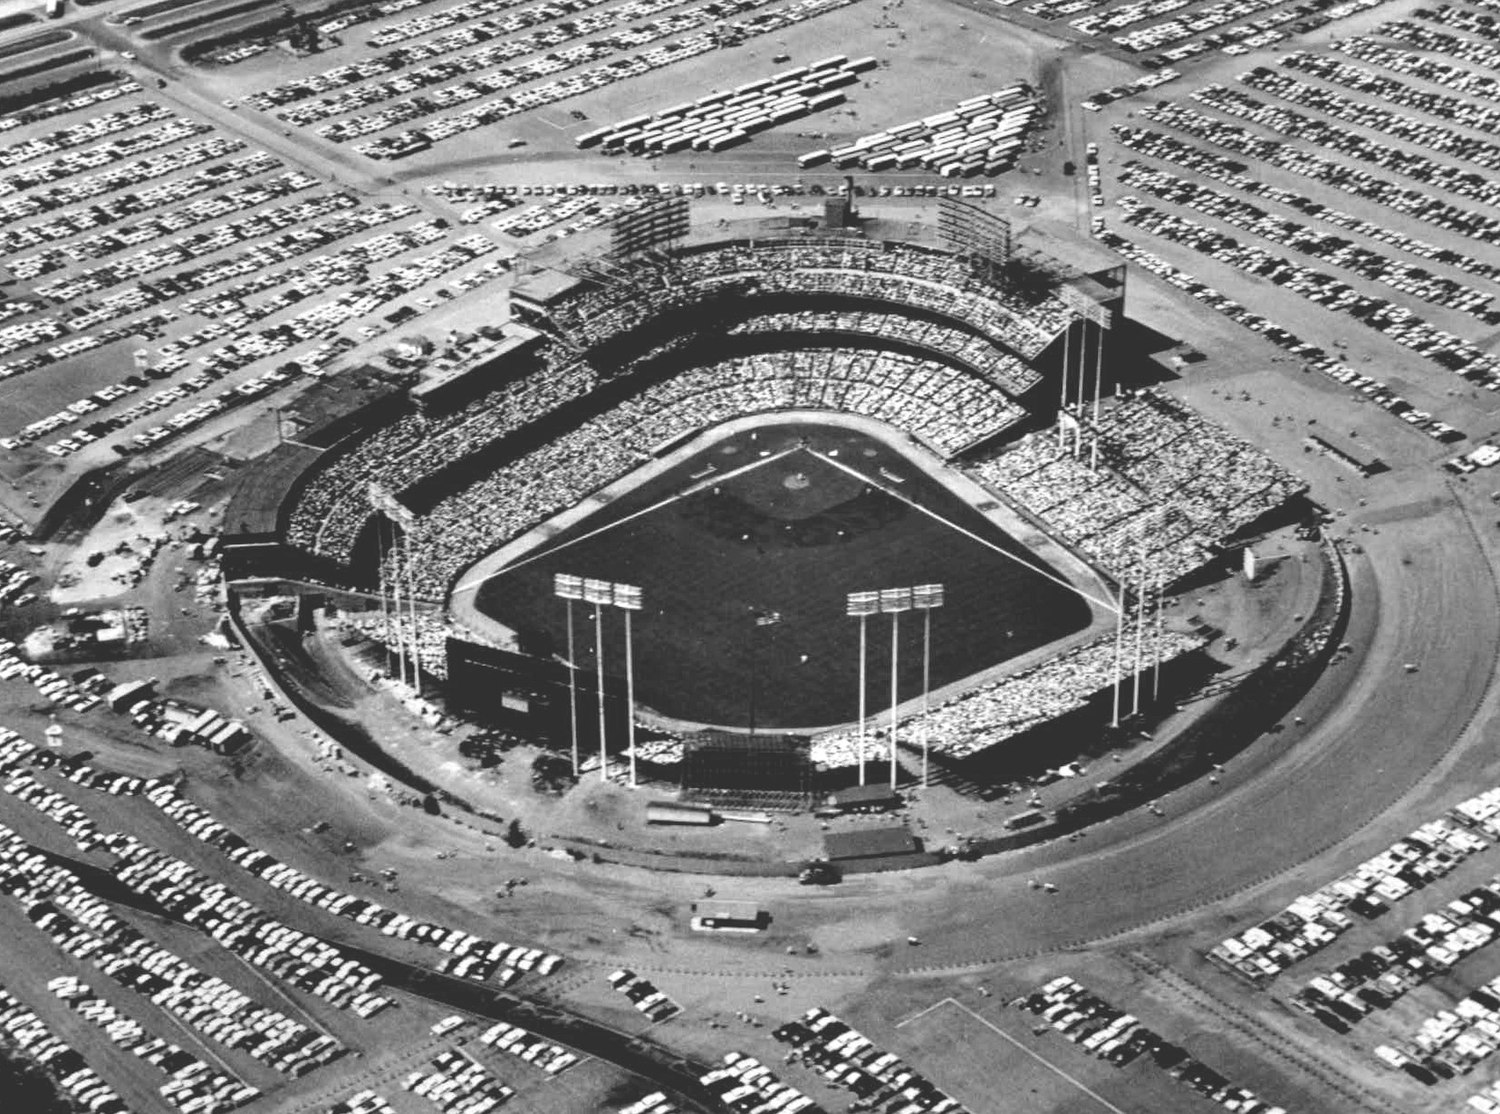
984	134
723	119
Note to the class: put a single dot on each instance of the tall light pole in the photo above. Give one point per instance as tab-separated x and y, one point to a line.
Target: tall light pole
627	597
926	597
893	601
1062	405
602	594
599	593
862	605
1156	666
569	588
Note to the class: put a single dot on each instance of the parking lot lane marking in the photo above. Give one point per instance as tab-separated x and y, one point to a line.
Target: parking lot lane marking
924	1013
1046	1063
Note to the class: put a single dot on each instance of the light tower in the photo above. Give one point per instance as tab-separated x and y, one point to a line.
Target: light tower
893	601
569	588
862	605
925	598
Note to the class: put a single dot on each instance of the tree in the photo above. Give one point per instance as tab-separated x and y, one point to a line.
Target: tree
514	836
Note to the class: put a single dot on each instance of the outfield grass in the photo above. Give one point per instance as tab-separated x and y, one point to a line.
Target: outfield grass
791	538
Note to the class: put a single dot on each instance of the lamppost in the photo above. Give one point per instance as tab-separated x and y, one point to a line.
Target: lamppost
893	601
926	597
602	594
569	588
862	605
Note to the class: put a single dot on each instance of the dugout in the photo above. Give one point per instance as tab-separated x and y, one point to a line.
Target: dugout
747	771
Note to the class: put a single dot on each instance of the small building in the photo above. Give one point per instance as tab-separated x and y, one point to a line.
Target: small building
861	798
674	812
729	916
125	696
870	843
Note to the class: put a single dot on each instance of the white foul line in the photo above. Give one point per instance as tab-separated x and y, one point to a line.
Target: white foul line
1108	605
1048	1064
691	489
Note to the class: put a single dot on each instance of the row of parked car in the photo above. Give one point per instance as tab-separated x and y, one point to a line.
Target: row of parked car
15	583
1378	977
747	1086
86	927
51	685
644	995
654	1103
289	954
1434	135
708	26
1452	1042
73	163
880	1081
320	320
192	1086
1095	101
200	823
1330	247
1313	357
1310	922
23	1029
1116	1037
1380	314
551	1058
1169	148
458	1084
83	134
302	960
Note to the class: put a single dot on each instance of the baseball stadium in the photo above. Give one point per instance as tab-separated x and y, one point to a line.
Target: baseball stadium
683	500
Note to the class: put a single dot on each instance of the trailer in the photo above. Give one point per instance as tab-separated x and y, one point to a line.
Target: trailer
729	139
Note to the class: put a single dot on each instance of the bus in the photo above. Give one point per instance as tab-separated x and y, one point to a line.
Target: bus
812	159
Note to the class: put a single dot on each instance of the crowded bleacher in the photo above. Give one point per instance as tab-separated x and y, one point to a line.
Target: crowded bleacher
983	717
922	397
901	273
1168	488
974	352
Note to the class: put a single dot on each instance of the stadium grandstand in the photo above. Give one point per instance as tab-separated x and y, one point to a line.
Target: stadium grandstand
607	364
